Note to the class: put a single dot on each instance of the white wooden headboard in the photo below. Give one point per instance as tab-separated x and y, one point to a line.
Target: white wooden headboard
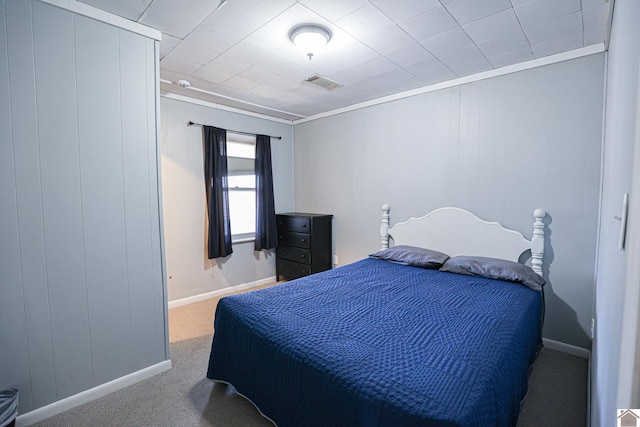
456	231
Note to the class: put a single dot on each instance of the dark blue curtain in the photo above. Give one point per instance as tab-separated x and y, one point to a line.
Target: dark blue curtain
215	175
266	232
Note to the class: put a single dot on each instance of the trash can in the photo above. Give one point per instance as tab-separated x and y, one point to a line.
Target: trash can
8	407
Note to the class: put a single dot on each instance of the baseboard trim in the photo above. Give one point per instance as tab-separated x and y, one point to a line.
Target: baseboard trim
55	408
220	292
567	348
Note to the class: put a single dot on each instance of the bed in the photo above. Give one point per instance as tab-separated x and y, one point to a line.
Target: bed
389	341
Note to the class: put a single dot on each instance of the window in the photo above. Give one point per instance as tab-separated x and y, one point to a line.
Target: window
241	154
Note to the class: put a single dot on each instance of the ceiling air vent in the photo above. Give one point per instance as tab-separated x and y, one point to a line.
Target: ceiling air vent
322	82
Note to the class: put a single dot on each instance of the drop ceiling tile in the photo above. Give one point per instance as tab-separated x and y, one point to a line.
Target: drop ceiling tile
465	11
311	91
346	76
464	61
226	90
403	10
396	76
493	26
248	52
429	24
511	57
592	3
539	11
177	18
212	74
349	75
262	9
368	86
179	65
177	27
557	45
290	99
411	55
595	35
450	40
365	22
240	83
285	68
431	79
504	43
555	28
234	21
348	50
429	71
229	64
167	44
393	89
213	38
193	52
265	91
324	67
389	39
595	16
376	67
468	68
265	77
362	96
126	8
334	9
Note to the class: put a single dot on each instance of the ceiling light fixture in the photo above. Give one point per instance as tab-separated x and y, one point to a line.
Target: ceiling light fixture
310	38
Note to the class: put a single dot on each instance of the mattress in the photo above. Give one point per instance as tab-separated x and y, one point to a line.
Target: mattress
375	343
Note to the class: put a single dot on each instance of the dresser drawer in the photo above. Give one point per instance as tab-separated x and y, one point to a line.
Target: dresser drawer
299	240
292	270
304	244
296	224
295	254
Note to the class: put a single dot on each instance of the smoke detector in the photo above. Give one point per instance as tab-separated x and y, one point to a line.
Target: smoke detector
184	83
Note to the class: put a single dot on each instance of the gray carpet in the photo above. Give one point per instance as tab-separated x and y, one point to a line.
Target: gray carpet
184	397
557	391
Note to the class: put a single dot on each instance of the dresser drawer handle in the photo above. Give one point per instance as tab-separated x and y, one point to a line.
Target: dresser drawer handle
304	240
303	256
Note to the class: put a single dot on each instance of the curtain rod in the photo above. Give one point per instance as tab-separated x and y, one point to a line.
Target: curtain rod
235	131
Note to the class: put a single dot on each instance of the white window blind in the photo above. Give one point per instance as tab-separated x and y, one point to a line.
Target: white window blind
241	154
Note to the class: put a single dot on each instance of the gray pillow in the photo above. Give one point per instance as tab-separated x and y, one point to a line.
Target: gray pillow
411	255
494	268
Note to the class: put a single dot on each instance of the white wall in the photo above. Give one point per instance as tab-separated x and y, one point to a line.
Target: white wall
498	147
81	277
189	271
623	83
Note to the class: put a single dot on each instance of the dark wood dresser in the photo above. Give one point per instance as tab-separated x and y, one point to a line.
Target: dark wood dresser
304	244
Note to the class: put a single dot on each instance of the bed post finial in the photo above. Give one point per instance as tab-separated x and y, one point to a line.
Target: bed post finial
537	241
384	227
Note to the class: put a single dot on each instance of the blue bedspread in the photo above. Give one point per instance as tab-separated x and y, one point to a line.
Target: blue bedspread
380	344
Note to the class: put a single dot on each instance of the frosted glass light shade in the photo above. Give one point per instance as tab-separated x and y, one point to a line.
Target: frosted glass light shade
310	39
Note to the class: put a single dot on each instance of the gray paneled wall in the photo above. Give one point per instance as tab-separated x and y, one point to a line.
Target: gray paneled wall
499	147
189	271
81	283
621	132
